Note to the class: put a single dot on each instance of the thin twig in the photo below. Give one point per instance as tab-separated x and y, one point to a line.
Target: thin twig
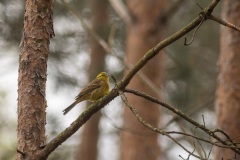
226	135
233	146
149	126
114	79
199	6
125	129
121	10
198	138
202	148
83	118
108	48
210	151
192	111
223	22
194	33
203	121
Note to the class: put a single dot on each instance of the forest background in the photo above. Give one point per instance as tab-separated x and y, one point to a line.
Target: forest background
187	75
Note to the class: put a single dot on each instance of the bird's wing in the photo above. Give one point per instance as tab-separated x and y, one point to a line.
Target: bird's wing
89	88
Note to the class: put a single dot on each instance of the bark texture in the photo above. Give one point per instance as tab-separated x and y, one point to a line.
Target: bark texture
228	92
88	149
143	32
37	31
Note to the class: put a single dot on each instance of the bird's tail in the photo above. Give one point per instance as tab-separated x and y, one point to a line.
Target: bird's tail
65	111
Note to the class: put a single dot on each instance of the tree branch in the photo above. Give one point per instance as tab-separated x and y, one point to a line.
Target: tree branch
121	10
155	50
52	145
230	144
149	126
83	118
221	21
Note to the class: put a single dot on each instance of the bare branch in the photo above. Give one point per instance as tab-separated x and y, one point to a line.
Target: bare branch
200	139
203	121
108	48
126	129
231	145
121	10
149	126
221	21
83	118
194	33
52	145
155	50
89	30
193	111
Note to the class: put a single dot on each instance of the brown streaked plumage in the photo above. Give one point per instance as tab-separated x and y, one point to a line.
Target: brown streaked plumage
95	90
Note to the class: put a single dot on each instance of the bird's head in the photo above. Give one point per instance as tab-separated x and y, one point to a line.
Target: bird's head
103	75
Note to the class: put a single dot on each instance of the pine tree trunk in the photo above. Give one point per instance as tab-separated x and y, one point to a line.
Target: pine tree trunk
88	149
143	32
228	92
37	31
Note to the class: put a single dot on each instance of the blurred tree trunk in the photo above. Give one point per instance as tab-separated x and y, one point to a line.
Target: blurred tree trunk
89	138
37	31
143	32
228	92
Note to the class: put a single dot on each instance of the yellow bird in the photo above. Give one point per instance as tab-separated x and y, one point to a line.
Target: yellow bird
95	90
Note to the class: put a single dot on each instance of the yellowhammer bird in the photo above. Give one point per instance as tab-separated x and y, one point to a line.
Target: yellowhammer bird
95	90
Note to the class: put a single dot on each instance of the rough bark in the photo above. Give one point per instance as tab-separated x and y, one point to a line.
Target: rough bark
228	92
88	149
143	32
37	31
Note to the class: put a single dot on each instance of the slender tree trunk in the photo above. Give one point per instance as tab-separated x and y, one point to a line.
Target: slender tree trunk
37	31
88	149
228	92
143	32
